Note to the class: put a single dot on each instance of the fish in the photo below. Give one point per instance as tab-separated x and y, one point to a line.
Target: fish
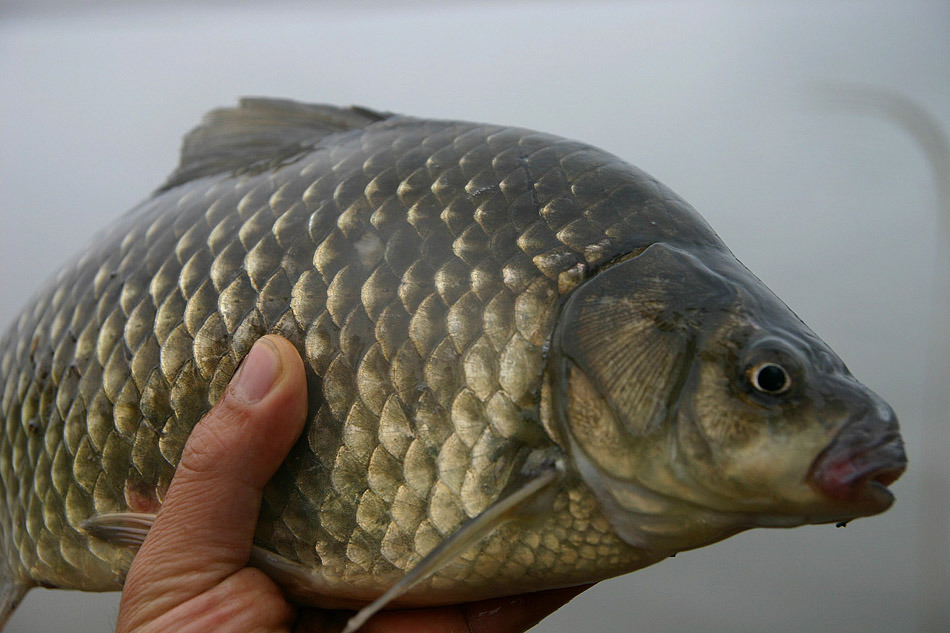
530	365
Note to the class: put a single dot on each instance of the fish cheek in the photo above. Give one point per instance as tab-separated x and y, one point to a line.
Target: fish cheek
720	436
726	421
752	456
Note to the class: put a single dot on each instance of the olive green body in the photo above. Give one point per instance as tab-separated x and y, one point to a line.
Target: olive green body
419	267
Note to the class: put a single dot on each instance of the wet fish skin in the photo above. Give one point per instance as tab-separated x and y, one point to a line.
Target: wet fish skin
407	263
437	277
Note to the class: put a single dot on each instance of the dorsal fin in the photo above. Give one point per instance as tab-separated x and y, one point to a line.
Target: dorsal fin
260	132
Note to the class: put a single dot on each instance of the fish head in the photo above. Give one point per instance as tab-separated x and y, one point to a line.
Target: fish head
695	405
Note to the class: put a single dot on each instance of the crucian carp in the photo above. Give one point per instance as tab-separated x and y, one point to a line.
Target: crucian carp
530	365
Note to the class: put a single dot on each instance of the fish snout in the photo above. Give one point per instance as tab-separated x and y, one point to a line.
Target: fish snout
865	457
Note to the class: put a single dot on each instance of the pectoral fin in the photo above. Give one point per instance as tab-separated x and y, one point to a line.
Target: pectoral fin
455	545
11	593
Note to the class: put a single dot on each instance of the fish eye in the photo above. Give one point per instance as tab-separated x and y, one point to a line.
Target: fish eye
770	378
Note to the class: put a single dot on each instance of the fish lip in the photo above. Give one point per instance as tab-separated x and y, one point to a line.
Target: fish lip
859	464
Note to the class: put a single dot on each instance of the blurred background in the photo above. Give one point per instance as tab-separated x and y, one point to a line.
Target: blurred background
834	207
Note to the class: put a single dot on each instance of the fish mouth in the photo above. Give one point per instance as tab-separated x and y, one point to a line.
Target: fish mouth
861	462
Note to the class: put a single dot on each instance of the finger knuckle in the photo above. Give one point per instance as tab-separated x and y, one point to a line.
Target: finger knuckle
210	443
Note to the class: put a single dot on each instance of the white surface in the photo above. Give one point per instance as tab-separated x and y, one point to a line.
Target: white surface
835	213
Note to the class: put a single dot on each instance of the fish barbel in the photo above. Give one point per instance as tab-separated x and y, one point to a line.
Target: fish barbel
530	365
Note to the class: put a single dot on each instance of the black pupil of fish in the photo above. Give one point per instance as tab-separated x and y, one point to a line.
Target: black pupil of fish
771	378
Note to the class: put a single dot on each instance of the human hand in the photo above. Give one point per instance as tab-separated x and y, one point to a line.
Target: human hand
191	573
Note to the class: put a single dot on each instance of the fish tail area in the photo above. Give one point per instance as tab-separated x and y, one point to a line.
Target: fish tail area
13	582
12	591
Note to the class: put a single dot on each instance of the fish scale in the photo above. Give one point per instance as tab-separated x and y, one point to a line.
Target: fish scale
430	368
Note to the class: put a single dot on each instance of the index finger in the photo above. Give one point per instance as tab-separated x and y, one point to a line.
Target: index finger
509	614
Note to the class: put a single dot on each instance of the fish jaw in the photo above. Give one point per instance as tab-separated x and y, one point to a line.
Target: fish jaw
864	458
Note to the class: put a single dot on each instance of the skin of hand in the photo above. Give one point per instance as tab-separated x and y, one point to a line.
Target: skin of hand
191	573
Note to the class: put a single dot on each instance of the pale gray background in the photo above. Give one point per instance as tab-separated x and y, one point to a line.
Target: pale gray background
836	212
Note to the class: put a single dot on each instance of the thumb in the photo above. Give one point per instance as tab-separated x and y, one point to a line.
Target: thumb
205	528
